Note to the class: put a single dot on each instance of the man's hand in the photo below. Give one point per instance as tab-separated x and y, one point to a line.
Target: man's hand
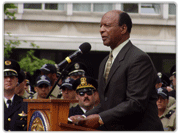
76	119
91	121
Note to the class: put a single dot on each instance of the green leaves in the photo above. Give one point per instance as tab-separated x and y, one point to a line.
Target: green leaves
28	63
10	15
9	46
31	63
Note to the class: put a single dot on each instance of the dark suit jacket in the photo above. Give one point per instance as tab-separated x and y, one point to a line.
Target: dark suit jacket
75	111
128	99
12	121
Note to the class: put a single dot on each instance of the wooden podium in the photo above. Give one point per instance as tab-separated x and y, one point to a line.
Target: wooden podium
50	115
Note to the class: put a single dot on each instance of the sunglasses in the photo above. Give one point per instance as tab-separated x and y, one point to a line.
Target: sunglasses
82	93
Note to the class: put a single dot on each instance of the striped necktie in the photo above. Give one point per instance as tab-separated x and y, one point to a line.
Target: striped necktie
108	66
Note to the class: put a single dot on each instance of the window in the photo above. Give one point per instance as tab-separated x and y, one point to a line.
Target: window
172	9
145	8
130	8
82	7
150	8
50	6
93	7
46	6
102	7
32	6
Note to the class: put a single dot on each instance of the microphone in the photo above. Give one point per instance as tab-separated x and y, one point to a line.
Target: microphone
83	48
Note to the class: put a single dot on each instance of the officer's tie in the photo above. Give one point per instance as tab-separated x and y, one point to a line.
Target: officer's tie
9	102
108	66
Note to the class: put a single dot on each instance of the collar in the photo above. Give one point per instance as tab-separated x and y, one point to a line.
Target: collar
5	100
164	114
84	110
118	49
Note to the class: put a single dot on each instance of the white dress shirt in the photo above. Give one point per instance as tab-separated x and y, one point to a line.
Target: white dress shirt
5	100
116	51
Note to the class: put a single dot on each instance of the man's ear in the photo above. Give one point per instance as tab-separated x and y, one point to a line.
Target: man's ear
123	29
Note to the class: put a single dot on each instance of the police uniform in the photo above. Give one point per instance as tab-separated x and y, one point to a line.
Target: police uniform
50	68
42	79
168	118
68	83
83	84
166	82
15	117
15	110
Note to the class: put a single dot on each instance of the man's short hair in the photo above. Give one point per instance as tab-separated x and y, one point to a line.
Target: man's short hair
124	18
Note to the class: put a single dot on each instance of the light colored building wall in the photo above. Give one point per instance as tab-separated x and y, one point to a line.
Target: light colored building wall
67	30
69	35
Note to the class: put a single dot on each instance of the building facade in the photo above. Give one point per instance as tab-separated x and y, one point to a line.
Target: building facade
59	28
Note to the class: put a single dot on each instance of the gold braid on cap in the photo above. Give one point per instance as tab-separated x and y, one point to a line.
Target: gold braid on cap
10	70
84	84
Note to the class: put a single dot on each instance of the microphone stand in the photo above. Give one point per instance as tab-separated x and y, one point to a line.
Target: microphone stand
62	73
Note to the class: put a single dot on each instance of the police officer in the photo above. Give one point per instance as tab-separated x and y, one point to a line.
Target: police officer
167	116
85	87
68	93
51	71
42	87
15	117
163	81
77	70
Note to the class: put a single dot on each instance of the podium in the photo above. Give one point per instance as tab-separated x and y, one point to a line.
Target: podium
50	115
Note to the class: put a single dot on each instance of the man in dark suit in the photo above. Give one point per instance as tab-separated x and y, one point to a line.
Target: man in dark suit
126	82
15	117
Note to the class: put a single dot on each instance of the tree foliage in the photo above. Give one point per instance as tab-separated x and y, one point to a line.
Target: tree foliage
31	63
28	63
10	15
9	45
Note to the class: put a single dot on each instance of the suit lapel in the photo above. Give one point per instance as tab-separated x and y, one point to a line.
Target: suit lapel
101	72
118	60
15	106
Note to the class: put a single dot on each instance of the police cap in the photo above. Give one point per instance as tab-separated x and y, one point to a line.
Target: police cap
48	68
11	67
164	79
21	76
67	83
163	92
85	82
77	68
43	79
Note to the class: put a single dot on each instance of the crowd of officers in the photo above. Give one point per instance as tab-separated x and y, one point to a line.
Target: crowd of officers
75	84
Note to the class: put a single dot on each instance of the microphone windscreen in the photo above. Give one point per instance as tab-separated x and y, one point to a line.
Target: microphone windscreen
85	47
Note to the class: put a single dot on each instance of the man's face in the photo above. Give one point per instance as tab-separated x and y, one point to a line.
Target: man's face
10	82
86	101
68	94
43	90
162	103
75	77
110	30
